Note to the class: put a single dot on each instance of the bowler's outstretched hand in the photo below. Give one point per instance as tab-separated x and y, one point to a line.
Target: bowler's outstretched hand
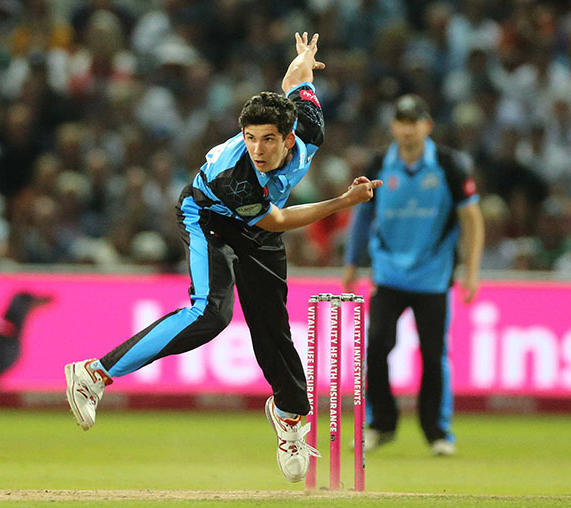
302	44
361	189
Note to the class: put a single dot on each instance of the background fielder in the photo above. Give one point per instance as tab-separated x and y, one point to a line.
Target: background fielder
412	231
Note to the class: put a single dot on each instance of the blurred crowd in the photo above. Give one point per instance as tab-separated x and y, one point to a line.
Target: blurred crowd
107	109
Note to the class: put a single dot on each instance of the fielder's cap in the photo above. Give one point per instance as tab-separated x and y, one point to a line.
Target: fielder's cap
411	107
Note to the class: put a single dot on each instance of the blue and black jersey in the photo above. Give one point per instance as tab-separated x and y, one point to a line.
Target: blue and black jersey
228	183
411	224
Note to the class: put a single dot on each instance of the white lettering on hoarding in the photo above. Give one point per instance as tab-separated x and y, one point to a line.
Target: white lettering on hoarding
232	359
192	366
516	357
483	345
566	359
145	312
538	344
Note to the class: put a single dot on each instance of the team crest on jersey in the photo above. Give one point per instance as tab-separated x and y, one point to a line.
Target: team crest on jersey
430	181
249	210
308	95
393	182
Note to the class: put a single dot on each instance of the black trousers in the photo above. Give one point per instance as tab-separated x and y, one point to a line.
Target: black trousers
223	253
435	401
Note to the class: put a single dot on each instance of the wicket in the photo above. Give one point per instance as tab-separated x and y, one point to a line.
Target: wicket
335	386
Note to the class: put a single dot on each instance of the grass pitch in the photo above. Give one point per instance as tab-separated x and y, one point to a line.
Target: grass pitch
219	459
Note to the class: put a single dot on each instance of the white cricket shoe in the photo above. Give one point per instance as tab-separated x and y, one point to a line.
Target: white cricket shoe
293	452
375	438
443	448
84	391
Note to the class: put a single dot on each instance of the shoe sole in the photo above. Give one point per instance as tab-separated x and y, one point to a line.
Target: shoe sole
69	377
442	453
444	450
271	420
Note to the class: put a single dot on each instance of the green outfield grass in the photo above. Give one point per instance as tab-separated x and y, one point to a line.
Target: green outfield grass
512	460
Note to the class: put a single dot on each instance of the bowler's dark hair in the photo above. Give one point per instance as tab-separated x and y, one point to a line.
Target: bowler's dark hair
269	108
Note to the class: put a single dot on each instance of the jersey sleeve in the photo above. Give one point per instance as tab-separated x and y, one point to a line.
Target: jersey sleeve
356	251
259	216
358	234
310	125
459	173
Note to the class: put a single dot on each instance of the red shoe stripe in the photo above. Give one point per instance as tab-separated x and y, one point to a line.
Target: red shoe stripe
106	379
292	421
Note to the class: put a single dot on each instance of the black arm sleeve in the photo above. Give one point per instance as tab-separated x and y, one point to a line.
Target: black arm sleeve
458	168
310	124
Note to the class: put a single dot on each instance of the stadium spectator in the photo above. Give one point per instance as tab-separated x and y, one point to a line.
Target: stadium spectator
463	83
46	171
522	189
19	148
429	204
82	15
99	195
163	107
433	47
131	203
467	121
558	141
326	236
499	252
154	27
38	32
553	240
364	19
43	241
50	106
102	60
69	145
471	28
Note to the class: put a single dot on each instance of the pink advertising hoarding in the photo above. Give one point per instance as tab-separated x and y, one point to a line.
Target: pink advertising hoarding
514	339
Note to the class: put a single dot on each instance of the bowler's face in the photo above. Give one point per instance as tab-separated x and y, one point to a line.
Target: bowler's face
411	133
267	148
